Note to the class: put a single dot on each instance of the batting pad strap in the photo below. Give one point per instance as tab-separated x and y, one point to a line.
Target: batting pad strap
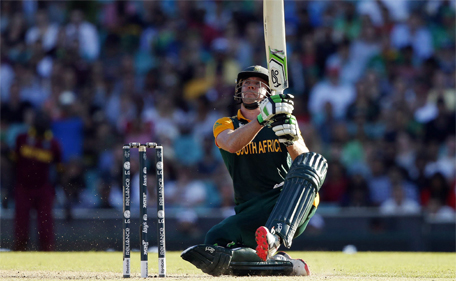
302	183
268	268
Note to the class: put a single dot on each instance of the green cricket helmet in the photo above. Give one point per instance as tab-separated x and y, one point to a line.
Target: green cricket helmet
251	71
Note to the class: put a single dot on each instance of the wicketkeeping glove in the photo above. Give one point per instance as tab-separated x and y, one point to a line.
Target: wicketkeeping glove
273	105
286	128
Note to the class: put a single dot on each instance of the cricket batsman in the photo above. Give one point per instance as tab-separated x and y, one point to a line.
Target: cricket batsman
276	181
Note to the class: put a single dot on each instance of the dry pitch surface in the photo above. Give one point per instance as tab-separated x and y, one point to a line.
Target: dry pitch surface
324	266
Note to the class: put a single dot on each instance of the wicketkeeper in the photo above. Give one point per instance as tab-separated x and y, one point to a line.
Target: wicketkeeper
276	182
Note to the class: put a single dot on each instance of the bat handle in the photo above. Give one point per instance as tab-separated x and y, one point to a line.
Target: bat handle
276	92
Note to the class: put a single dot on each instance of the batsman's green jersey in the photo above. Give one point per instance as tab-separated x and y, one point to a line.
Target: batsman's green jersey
259	166
256	170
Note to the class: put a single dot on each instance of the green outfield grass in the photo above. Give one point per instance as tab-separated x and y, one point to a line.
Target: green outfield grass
324	266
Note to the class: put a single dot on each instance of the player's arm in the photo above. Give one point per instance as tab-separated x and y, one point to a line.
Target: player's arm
234	140
297	148
287	129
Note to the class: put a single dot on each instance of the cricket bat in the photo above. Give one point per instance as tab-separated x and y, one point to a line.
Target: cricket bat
276	50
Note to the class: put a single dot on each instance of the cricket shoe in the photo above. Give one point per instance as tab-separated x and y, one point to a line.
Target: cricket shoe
268	243
300	267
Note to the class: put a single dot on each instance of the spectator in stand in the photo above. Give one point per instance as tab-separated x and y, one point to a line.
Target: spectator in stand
333	91
438	189
406	151
14	36
417	171
413	33
43	31
85	33
363	106
31	88
348	23
442	25
398	203
163	118
436	198
362	49
423	111
187	147
324	44
398	176
246	48
186	191
210	161
439	211
187	224
406	65
398	10
442	126
13	111
441	89
223	64
441	159
336	185
357	194
378	182
308	59
342	58
203	116
7	76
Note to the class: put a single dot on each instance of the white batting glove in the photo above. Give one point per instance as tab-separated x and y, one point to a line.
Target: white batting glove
273	105
286	128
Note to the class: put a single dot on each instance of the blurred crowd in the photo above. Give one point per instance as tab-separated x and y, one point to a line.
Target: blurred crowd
374	86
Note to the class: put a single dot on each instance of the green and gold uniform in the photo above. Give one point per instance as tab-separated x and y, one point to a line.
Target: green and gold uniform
257	171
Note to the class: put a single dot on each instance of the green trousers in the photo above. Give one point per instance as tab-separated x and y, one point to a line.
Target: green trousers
239	229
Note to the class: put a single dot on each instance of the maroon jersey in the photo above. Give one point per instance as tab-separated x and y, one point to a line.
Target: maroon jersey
34	159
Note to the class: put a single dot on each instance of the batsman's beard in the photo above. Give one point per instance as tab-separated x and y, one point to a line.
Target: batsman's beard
253	101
